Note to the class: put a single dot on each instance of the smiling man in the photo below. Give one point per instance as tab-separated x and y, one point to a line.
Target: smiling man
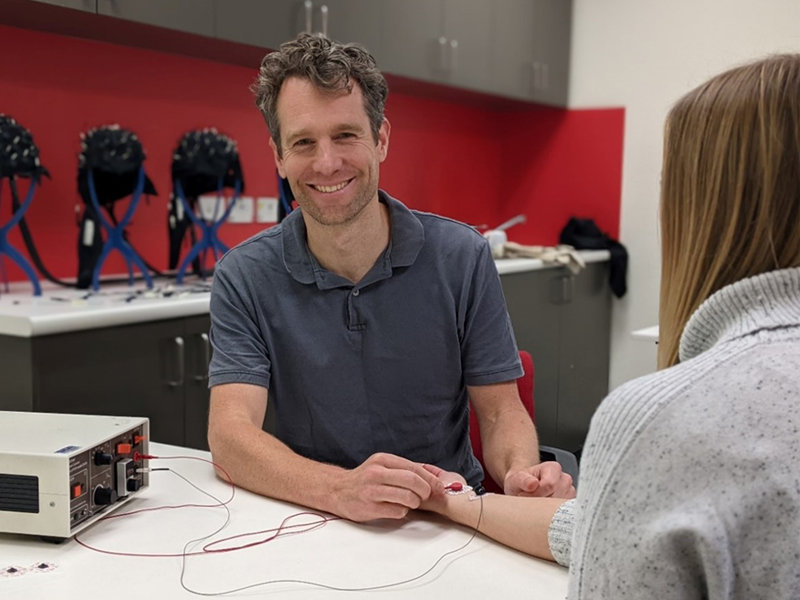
365	324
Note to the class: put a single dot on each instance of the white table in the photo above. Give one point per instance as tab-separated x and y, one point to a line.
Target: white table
342	553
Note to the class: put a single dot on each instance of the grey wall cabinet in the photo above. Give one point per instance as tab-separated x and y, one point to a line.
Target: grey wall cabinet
443	41
552	39
156	370
190	16
531	49
513	48
87	5
269	24
564	321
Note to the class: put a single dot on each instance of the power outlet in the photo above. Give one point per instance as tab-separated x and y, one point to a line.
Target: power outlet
242	211
267	210
210	208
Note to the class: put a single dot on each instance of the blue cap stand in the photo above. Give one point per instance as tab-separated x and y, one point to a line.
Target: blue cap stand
209	239
9	250
114	234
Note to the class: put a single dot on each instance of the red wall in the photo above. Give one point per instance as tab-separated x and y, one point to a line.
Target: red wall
478	165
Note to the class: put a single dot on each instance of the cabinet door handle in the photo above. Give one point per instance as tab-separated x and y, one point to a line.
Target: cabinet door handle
205	358
453	55
324	12
180	356
537	84
443	53
309	5
567	285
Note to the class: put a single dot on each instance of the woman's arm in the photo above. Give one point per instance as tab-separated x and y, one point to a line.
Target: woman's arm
518	522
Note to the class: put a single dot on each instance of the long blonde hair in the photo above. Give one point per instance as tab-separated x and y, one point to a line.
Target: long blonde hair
730	196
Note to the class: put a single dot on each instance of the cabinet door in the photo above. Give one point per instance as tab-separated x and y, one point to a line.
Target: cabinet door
411	32
198	355
351	21
552	28
191	16
261	23
583	352
513	48
532	298
16	384
87	5
135	370
468	29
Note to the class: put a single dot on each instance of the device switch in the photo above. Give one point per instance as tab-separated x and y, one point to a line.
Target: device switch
103	458
104	496
123	448
138	439
124	471
76	490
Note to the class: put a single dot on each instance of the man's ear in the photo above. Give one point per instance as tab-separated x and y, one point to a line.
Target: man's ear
278	159
383	140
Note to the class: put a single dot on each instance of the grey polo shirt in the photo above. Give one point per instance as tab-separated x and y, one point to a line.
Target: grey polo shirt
380	366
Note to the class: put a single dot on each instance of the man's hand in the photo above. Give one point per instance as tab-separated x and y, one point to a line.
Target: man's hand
545	480
384	486
436	501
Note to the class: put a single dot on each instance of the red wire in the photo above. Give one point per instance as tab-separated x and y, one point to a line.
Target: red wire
206	550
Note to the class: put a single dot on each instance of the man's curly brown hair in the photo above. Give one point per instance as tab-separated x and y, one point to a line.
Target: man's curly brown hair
330	66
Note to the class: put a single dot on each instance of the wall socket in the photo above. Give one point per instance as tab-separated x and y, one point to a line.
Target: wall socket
208	205
266	210
242	211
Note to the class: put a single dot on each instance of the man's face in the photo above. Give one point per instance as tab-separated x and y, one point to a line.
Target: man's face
329	155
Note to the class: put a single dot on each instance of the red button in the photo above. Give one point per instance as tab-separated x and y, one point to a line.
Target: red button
76	491
123	448
455	487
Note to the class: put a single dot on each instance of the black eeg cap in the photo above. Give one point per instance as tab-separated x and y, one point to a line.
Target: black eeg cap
19	155
114	155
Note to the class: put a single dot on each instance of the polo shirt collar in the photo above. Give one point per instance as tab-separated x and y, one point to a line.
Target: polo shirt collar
408	237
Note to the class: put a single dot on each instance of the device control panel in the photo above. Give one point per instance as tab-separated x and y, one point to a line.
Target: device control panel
104	474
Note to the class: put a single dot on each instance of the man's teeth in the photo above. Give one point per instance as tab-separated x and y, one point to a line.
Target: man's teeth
329	189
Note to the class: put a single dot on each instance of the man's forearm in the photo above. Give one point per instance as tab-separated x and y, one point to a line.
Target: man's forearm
261	463
509	443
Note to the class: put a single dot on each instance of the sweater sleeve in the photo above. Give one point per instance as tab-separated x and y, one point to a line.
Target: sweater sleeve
559	536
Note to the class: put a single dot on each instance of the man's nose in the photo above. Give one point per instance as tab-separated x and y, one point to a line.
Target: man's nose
327	159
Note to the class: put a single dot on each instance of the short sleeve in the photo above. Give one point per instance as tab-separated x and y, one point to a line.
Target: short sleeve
239	350
489	349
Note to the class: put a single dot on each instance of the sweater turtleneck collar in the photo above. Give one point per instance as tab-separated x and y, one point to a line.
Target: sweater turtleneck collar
767	301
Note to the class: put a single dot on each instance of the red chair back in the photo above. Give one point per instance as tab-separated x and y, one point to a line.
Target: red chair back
525	387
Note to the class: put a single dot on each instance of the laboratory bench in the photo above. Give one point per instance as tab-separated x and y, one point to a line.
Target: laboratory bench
130	351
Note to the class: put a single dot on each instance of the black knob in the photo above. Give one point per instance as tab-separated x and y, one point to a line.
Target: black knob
103	458
134	485
103	496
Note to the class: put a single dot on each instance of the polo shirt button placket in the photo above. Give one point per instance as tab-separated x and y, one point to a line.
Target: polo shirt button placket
356	292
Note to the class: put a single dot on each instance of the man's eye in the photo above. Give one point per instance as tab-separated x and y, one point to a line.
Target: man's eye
303	142
346	135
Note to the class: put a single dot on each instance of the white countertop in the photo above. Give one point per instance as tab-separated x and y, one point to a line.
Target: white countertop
520	265
61	310
341	553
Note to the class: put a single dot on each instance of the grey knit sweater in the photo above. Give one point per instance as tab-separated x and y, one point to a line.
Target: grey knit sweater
690	479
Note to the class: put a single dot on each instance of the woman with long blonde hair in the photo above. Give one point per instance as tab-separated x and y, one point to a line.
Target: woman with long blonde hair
690	480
